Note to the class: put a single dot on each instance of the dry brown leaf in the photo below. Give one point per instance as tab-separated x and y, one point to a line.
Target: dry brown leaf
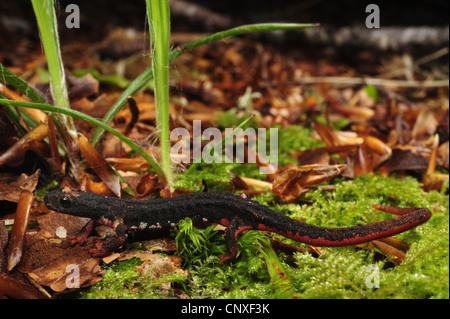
396	243
54	225
434	181
425	125
377	145
37	115
146	184
16	289
50	264
443	157
404	158
359	113
363	163
14	155
10	192
50	261
292	183
53	143
396	255
99	165
82	87
89	186
129	164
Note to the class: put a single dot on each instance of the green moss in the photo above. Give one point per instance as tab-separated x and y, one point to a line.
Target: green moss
346	272
212	177
256	273
122	281
195	244
295	138
341	272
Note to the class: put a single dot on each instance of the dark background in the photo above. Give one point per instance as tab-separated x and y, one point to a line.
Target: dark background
98	16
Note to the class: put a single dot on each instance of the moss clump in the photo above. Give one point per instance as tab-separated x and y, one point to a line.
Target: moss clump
213	177
295	138
122	281
342	272
346	272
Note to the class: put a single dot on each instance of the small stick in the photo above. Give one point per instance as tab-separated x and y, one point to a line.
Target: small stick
374	81
15	247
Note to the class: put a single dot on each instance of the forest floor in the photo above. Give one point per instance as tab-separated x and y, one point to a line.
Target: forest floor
355	129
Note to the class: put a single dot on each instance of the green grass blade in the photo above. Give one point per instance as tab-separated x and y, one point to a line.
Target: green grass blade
6	76
158	12
48	29
194	166
131	90
244	29
89	119
147	75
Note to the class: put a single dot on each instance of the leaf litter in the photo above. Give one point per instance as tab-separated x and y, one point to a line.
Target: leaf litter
352	130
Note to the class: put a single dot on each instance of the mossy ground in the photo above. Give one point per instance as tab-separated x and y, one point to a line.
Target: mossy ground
347	272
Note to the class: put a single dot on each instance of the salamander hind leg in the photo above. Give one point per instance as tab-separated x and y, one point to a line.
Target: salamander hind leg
232	231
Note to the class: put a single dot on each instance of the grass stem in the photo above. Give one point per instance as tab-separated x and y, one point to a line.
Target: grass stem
89	119
48	29
158	12
147	75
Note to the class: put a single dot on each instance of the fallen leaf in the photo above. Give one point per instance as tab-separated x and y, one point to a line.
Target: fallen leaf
54	266
84	86
99	165
146	184
404	158
443	157
10	193
292	183
396	255
50	224
425	125
88	185
396	243
129	164
17	289
14	155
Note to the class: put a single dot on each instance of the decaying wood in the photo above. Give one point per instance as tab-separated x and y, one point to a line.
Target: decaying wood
197	14
385	38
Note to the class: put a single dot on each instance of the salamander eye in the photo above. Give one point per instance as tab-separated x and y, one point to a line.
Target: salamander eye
65	202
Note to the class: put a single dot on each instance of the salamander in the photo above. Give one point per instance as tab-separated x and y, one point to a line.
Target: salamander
236	213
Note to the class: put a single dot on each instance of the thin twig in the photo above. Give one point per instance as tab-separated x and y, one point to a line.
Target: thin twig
374	81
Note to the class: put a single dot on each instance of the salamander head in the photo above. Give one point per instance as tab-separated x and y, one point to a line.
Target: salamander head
68	201
60	200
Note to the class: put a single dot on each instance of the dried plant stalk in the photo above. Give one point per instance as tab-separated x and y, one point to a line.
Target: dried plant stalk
15	247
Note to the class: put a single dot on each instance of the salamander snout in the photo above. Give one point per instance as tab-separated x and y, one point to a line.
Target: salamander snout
58	200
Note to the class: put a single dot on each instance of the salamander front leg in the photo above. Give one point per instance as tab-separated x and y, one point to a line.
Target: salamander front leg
232	231
105	248
102	248
83	235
